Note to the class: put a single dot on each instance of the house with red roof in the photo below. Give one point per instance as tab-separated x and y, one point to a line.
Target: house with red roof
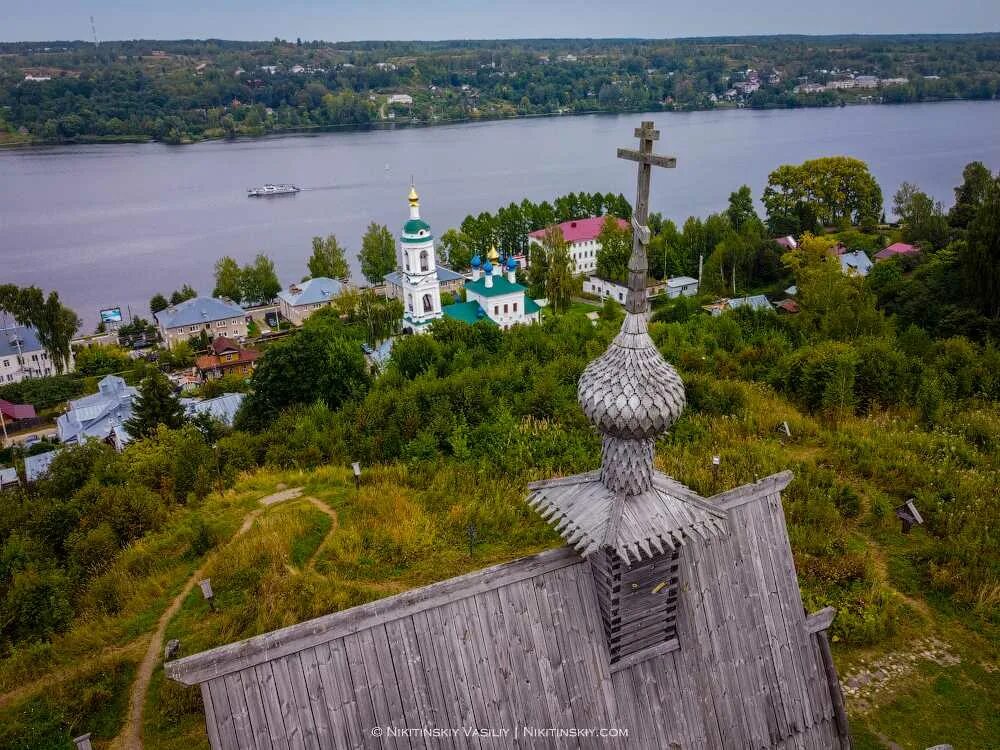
581	234
897	249
226	357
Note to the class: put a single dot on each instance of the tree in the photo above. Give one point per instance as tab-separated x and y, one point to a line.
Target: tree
156	404
54	323
561	283
378	253
259	282
833	189
157	303
328	259
980	256
183	294
456	249
741	210
923	220
311	366
616	247
538	269
969	196
228	279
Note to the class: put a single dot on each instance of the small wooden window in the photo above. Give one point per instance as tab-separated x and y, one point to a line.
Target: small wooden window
638	603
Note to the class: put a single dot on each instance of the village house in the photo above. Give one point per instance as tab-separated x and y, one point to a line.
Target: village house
855	263
301	300
214	316
682	286
226	357
16	416
788	242
605	288
400	99
895	250
100	415
8	478
753	302
37	465
674	617
22	356
581	234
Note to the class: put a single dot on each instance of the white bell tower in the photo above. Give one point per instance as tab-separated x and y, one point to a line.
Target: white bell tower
421	289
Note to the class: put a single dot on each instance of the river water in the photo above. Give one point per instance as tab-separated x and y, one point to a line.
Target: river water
111	225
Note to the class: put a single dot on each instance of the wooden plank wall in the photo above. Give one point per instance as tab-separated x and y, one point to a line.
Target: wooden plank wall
746	674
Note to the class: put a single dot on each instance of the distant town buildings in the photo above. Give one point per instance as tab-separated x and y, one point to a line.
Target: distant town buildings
216	317
400	99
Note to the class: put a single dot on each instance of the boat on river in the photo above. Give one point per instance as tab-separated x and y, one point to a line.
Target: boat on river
265	191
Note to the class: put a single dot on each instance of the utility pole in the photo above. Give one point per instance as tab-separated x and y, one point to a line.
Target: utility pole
93	31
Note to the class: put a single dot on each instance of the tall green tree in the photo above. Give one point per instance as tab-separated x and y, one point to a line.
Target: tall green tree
741	210
156	404
456	249
561	281
923	220
378	253
835	189
616	247
228	279
259	283
183	294
311	366
969	196
54	323
328	259
980	255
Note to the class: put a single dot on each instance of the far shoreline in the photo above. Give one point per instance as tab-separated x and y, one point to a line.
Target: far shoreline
118	140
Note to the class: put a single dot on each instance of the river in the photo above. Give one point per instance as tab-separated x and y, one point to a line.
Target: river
111	225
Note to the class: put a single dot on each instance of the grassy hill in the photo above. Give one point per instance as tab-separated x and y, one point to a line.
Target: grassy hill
408	525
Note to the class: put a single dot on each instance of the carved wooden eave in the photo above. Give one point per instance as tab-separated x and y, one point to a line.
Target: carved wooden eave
590	516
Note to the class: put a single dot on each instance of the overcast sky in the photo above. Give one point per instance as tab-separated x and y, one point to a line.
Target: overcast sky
335	20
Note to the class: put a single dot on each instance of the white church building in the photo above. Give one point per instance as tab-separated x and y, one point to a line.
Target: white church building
489	294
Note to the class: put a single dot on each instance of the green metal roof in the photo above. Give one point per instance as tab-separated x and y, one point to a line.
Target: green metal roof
530	306
413	226
416	240
500	286
467	312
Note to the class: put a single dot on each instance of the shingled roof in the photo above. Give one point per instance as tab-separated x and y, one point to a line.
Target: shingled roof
671	620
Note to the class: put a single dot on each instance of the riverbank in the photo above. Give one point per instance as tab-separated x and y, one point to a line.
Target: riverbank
389	125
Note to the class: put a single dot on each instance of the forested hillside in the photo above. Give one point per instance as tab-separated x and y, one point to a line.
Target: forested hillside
177	91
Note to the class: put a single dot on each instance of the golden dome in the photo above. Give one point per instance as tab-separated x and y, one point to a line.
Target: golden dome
413	197
493	255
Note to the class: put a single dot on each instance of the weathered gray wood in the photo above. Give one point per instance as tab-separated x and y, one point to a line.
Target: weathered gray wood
435	675
211	720
223	715
255	706
197	668
286	702
240	711
747	493
318	700
359	680
264	674
836	694
655	159
659	649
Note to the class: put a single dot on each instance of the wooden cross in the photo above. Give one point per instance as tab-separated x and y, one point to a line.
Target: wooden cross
638	263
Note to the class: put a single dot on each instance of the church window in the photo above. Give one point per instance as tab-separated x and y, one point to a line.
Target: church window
407	258
409	302
496	309
505	311
424	263
428	303
515	307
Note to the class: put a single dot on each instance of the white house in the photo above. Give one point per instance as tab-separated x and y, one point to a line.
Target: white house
214	316
400	99
682	286
581	234
617	291
22	356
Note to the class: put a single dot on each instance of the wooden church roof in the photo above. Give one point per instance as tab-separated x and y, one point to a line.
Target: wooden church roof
521	645
676	622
